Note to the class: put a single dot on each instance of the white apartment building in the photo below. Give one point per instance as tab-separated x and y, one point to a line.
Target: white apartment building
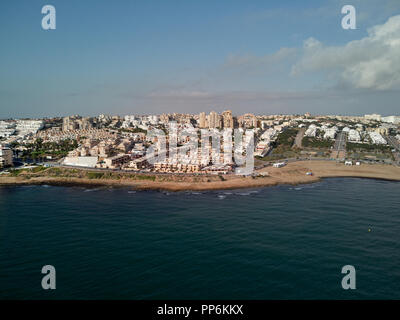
25	127
377	138
391	119
153	120
330	133
311	131
264	142
374	116
378	117
354	135
130	121
88	162
6	133
6	125
268	134
266	123
6	129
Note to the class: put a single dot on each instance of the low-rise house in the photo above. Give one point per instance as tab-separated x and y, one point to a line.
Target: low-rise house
116	161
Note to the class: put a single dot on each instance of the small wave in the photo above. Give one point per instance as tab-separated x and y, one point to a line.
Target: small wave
221	196
131	191
244	193
45	186
90	190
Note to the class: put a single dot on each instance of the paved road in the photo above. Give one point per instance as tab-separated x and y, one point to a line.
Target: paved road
393	142
396	145
299	138
339	148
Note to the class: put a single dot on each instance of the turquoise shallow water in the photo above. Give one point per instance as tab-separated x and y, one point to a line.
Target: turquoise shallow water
280	242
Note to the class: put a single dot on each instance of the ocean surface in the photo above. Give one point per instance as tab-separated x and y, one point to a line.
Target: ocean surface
284	242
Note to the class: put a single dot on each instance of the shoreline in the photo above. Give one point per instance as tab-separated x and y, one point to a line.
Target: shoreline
86	185
292	174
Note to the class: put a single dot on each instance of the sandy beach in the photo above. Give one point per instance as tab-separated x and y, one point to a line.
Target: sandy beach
294	173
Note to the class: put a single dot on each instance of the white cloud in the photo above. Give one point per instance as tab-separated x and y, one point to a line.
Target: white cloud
370	63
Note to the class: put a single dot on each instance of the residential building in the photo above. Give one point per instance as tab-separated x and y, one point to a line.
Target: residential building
354	135
213	120
227	119
6	157
202	120
377	138
247	120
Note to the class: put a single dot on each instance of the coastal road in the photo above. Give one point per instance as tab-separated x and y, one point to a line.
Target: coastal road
339	148
396	145
393	142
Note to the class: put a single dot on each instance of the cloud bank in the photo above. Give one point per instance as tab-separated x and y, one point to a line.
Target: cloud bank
370	63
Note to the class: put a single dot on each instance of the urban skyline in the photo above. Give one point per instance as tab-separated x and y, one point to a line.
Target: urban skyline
128	142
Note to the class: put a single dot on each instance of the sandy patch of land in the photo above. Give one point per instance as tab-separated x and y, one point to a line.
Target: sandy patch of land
325	169
293	173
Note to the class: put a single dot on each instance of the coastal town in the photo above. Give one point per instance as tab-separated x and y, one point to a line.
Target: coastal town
122	143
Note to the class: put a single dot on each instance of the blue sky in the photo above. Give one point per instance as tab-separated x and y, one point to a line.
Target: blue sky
266	57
